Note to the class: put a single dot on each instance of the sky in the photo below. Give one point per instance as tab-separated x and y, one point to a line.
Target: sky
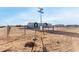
53	15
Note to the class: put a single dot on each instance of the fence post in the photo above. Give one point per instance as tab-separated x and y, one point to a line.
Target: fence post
8	30
53	28
24	30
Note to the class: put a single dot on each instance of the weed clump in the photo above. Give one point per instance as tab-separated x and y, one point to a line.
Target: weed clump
29	44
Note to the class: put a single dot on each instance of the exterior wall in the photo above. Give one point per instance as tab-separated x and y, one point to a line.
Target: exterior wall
45	25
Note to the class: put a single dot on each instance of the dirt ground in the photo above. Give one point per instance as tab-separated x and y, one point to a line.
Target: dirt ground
60	40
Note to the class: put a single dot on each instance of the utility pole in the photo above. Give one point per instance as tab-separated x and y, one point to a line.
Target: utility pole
41	12
41	28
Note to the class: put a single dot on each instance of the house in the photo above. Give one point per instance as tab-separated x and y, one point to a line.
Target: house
37	25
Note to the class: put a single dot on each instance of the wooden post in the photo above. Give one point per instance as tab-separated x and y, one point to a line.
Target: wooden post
8	30
53	28
43	30
24	30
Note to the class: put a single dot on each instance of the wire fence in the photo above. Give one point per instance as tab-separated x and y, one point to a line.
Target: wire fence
34	39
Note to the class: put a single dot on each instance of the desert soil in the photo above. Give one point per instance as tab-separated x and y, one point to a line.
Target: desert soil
60	40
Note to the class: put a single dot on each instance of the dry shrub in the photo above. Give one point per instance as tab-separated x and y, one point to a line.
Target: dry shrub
29	44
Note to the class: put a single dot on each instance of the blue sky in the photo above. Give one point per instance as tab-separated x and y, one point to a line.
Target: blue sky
53	15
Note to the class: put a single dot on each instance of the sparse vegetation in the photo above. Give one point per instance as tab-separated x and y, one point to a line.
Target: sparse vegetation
60	40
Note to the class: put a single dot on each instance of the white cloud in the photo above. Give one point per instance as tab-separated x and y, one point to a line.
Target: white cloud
26	17
62	16
33	17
